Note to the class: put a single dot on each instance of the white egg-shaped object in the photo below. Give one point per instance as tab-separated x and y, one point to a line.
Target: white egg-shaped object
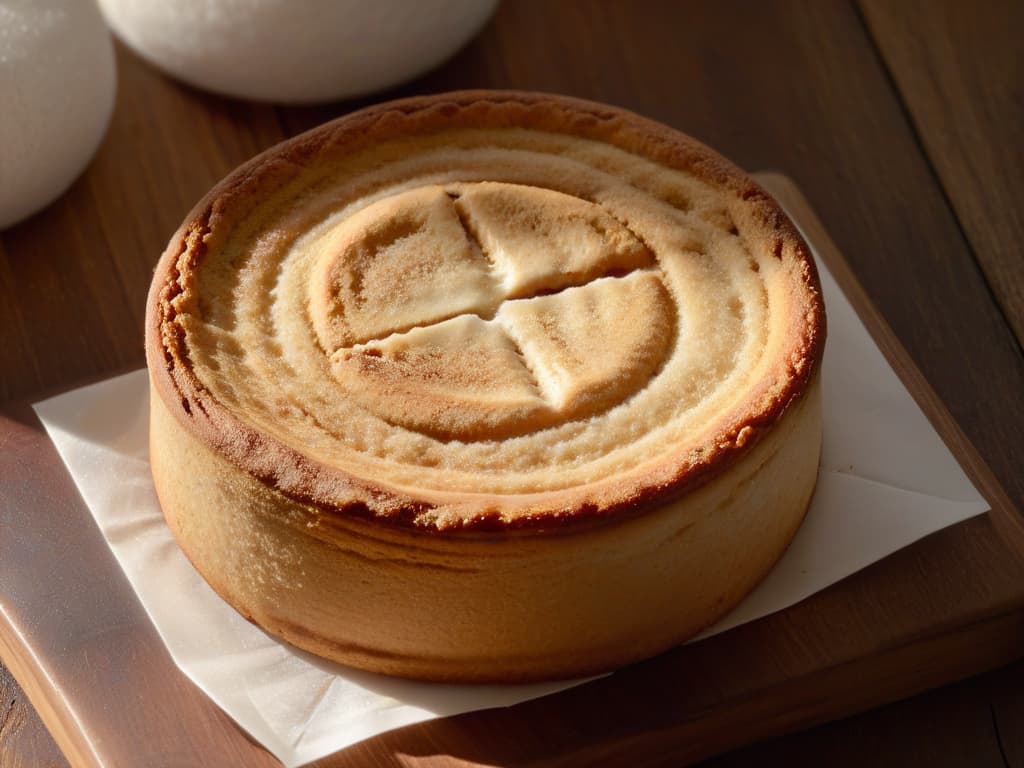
296	51
57	86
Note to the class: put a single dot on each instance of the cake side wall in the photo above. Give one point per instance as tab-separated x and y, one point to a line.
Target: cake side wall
507	608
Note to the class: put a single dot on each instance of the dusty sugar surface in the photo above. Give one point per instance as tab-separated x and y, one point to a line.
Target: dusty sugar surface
498	311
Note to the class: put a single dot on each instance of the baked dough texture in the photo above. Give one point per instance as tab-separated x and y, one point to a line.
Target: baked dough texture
485	386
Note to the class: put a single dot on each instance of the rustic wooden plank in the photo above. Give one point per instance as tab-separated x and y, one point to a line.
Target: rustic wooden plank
960	72
24	743
947	728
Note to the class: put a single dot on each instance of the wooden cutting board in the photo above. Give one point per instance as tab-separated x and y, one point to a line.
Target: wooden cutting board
952	605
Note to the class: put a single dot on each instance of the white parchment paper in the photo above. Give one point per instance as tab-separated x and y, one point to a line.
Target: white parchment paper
886	480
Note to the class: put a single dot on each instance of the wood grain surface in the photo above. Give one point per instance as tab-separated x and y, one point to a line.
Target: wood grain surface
901	153
975	723
24	742
961	73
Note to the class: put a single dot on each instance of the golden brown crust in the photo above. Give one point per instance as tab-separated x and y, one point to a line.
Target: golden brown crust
305	480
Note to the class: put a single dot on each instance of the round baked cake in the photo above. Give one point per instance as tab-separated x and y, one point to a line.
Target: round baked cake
485	386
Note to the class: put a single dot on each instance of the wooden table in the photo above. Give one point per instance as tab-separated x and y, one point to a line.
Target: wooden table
902	122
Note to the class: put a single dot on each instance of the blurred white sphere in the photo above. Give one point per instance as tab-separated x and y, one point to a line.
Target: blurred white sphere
296	51
57	84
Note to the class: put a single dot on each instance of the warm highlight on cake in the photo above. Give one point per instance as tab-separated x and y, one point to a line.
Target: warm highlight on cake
485	386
